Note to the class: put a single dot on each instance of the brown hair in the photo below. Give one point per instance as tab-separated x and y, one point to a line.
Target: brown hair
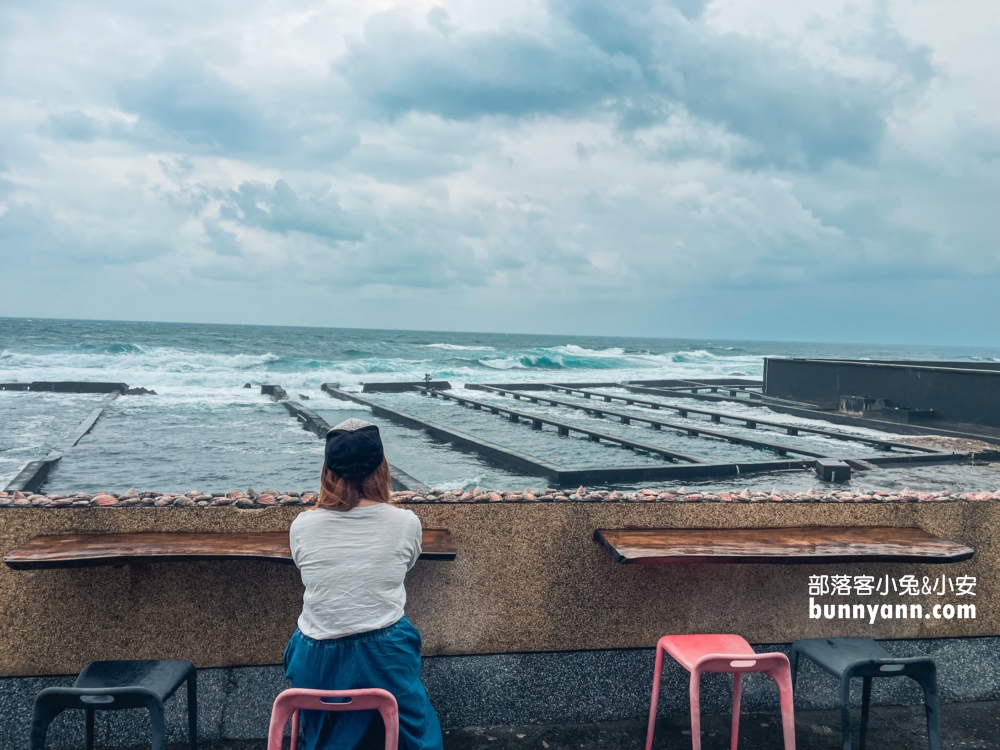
338	493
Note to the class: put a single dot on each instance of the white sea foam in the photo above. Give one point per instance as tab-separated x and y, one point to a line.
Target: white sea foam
217	377
459	347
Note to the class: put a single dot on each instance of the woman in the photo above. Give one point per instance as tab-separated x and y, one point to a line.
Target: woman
353	551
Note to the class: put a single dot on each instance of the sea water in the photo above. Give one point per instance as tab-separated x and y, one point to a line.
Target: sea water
204	430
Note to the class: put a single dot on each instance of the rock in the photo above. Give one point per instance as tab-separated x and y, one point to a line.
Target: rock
202	502
223	501
130	501
104	500
247	385
184	501
417	499
235	495
272	493
131	493
18	495
287	500
244	502
193	493
303	397
202	498
265	499
309	498
81	503
495	497
466	496
162	500
62	503
251	494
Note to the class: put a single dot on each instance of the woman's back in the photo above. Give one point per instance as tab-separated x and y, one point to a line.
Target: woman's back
353	564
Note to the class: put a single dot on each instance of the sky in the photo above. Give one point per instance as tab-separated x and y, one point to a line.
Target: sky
763	169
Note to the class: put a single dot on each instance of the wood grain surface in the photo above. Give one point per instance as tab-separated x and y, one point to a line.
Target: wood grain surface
91	550
796	545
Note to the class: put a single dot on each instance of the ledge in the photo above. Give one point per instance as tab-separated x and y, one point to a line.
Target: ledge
269	498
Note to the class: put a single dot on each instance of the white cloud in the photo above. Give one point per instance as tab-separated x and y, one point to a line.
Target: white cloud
489	165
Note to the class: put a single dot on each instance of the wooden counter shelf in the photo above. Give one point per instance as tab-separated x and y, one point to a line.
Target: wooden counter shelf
92	550
783	546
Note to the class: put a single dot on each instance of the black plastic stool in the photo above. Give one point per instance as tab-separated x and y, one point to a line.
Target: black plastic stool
117	685
862	657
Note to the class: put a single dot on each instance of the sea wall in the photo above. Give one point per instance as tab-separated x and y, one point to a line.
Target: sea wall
967	396
527	578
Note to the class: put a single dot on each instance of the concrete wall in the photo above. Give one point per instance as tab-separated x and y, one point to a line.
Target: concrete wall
961	396
528	578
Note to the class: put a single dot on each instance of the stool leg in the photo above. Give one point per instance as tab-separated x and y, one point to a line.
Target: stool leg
696	710
928	681
192	690
793	664
734	735
90	729
657	671
42	714
866	697
783	678
845	710
157	723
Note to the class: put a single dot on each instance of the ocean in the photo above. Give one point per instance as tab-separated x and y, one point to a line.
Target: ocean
204	430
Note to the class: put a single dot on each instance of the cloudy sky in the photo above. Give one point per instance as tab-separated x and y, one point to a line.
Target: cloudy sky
767	169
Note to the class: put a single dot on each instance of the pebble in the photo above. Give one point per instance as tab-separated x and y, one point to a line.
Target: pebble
271	497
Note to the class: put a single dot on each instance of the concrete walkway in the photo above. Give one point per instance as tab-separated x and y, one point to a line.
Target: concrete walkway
963	725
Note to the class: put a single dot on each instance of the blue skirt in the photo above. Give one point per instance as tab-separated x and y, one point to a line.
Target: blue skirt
389	659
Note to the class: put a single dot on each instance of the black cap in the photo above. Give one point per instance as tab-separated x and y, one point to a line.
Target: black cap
354	449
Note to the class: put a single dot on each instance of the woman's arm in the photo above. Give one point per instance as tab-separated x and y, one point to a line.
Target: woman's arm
416	539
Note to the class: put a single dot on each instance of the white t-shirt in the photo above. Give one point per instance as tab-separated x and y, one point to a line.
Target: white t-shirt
353	564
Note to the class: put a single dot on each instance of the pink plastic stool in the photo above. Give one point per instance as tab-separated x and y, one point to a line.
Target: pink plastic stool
290	702
699	653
